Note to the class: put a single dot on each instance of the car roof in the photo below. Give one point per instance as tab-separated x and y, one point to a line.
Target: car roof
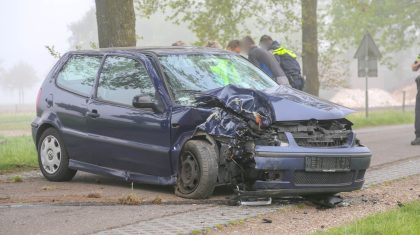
169	50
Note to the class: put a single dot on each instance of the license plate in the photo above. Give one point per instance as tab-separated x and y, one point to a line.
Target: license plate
327	164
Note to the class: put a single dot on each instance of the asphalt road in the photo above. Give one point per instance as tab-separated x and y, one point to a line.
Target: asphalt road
389	144
31	207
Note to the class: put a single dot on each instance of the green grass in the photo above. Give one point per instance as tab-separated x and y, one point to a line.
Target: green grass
404	220
17	153
381	118
16	121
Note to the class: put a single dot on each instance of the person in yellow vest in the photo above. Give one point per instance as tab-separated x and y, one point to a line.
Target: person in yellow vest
225	72
287	60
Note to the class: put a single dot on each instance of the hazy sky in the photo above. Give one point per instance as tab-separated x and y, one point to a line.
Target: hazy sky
26	26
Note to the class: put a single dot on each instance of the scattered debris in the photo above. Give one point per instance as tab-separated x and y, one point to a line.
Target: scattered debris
400	204
130	199
157	200
48	187
94	195
326	201
4	197
17	179
267	221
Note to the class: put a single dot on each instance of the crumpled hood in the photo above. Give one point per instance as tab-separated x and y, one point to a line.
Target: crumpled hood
290	104
280	103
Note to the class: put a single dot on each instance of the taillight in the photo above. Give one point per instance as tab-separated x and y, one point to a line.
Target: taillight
38	98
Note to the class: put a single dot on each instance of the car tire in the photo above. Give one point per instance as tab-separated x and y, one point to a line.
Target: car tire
53	159
198	170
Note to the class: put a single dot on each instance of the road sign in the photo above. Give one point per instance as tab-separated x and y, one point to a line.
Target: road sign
367	56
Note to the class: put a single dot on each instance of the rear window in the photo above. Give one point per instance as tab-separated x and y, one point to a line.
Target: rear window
79	73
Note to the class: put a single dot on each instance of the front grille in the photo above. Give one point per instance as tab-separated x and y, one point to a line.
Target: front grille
302	177
319	140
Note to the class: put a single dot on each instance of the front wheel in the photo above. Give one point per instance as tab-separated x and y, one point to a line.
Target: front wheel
198	170
52	157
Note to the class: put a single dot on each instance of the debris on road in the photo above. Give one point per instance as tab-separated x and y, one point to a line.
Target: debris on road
267	221
94	195
328	201
306	219
130	199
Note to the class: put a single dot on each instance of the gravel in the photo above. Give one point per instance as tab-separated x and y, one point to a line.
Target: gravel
307	218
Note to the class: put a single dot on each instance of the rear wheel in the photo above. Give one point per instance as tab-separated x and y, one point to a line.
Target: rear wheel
198	169
52	157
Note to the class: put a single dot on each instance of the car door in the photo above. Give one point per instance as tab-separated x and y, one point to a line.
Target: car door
69	99
124	137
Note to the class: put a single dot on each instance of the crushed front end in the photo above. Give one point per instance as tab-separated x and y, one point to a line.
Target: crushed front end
307	158
263	155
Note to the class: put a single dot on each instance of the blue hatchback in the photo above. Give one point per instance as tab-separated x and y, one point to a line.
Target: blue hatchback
194	118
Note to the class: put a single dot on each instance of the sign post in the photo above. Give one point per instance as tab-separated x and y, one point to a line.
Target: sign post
367	56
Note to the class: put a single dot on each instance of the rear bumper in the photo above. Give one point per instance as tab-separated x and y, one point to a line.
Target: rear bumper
285	167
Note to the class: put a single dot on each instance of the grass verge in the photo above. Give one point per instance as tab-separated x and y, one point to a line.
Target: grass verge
17	153
404	220
381	118
16	121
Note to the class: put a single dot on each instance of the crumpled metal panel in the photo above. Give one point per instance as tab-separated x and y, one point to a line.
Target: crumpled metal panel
237	110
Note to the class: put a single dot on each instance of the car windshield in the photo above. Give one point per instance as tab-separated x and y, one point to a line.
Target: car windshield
189	74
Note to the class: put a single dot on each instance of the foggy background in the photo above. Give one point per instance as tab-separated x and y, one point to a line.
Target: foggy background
28	26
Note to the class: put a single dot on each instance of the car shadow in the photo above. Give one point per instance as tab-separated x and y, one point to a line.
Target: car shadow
87	178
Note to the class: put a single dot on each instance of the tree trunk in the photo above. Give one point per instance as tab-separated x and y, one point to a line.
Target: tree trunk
116	23
310	46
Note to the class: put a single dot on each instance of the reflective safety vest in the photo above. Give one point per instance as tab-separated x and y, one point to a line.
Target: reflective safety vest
281	51
225	71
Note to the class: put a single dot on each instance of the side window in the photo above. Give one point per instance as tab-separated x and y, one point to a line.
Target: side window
123	78
79	73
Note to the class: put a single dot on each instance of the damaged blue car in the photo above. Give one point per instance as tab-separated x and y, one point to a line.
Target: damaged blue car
195	118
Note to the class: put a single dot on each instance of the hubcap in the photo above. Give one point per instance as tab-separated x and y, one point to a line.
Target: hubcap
190	172
50	152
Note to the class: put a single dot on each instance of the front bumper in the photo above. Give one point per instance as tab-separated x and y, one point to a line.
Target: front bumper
285	167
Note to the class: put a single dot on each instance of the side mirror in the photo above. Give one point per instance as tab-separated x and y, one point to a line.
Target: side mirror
144	101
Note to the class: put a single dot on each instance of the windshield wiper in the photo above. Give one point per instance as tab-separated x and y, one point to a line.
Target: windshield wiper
190	91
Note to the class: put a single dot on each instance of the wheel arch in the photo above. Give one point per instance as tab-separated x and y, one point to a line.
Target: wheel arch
200	135
41	130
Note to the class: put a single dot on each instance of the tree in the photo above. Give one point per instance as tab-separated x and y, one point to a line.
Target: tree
20	77
228	19
310	46
116	23
393	24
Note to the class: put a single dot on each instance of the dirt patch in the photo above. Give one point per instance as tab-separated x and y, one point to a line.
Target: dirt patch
307	218
89	188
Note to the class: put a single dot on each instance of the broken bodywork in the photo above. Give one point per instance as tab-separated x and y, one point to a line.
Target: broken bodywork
283	142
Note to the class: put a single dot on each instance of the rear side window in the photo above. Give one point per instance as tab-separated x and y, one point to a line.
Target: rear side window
123	78
79	73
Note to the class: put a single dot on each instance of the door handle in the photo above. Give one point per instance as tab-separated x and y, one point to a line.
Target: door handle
93	113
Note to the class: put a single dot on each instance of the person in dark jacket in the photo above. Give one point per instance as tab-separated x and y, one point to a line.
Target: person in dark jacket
416	67
287	60
264	60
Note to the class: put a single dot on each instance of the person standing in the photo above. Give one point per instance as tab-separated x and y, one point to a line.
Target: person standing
264	60
234	46
287	60
416	67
